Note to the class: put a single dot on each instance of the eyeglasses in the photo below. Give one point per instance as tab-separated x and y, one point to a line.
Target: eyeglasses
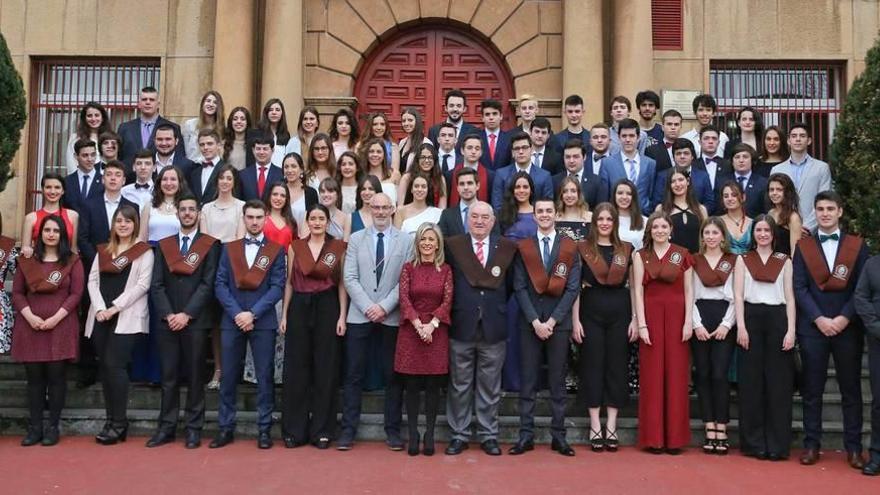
381	208
426	158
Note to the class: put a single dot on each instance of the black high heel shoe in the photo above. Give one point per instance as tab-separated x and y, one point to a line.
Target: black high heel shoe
597	440
413	448
710	445
428	444
113	435
611	441
722	445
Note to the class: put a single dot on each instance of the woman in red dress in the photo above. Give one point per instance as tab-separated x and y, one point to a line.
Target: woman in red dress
47	289
52	186
422	354
664	302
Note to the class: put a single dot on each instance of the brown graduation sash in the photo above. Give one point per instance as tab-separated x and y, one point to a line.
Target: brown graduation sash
844	263
38	281
613	275
665	271
331	255
764	272
251	278
106	264
185	265
477	275
554	284
714	277
6	246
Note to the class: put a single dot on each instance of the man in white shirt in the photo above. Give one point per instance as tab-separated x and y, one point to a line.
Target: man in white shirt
446	147
620	109
705	108
716	166
167	152
600	141
85	182
810	176
543	156
141	190
203	179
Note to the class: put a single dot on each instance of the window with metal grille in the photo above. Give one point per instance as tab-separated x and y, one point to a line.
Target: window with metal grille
59	89
666	24
783	93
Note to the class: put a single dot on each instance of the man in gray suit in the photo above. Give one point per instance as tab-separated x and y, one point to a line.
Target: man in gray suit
373	262
810	176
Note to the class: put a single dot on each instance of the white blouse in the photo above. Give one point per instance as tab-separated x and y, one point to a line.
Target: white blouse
633	237
756	292
722	293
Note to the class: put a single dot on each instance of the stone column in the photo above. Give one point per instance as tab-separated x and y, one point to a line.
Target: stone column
582	64
282	56
632	48
233	73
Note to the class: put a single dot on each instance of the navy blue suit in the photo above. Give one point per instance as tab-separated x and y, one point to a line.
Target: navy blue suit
195	183
700	184
723	171
130	132
816	347
93	226
72	197
502	150
261	302
613	170
661	156
755	190
184	164
465	130
249	182
542	179
591	186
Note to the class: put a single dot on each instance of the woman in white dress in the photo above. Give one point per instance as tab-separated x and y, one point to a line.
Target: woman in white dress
419	206
344	131
238	125
301	196
376	164
321	163
93	121
632	222
329	196
348	176
211	116
307	126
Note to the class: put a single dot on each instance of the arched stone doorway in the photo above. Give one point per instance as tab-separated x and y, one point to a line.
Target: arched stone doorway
418	66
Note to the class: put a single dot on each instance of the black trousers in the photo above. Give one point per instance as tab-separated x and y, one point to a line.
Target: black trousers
413	385
311	364
114	352
712	361
532	350
46	379
605	348
847	348
182	357
874	368
766	383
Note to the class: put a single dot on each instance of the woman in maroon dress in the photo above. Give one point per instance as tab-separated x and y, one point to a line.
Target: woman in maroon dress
422	354
46	293
664	300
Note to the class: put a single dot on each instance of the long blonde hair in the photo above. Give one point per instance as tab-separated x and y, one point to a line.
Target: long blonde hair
439	257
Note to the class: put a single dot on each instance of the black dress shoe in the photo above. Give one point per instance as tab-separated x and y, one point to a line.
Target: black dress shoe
322	443
491	447
193	439
290	442
160	438
112	436
223	438
655	450
872	468
562	447
394	442
774	457
32	437
456	447
674	451
264	440
521	447
50	436
855	460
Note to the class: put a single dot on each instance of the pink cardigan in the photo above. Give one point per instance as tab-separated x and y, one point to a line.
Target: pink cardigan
134	313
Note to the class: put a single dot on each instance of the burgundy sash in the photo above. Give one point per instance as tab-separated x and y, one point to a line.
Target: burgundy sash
106	264
613	275
844	263
180	265
714	277
40	282
765	272
669	268
554	284
331	255
490	276
6	246
251	278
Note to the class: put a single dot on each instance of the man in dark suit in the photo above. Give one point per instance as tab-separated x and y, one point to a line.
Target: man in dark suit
453	219
867	304
714	164
598	148
543	155
547	280
250	281
85	183
521	144
141	131
203	179
662	151
827	267
477	337
97	212
182	292
495	142
167	154
455	105
447	154
685	157
471	151
254	179
754	186
591	185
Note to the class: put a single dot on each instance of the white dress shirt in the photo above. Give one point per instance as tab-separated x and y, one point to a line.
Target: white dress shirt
636	164
484	248
79	179
829	247
139	196
110	207
207	171
192	236
538	157
251	250
757	292
450	163
711	168
541	236
160	164
722	293
597	164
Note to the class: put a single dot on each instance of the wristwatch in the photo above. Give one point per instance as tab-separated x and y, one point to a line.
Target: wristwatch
435	323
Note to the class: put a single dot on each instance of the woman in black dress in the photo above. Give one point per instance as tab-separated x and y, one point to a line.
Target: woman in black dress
784	209
682	207
773	152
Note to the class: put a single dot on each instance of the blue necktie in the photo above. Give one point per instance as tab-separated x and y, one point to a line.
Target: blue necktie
84	191
380	255
632	170
464	219
546	253
185	247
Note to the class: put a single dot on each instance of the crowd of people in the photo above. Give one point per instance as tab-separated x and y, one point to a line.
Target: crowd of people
629	257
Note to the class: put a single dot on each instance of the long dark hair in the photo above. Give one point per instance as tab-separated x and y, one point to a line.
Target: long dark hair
236	186
509	207
429	199
790	200
669	197
358	167
374	182
229	132
355	135
82	128
299	124
64	251
282	133
636	221
322	208
365	157
158	195
592	239
435	175
286	212
311	167
770	222
783	143
759	127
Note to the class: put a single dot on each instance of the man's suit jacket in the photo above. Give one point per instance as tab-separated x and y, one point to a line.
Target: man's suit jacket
485	183
465	130
260	302
359	274
470	304
502	150
191	294
248	178
542	179
700	184
452	224
812	302
533	305
591	186
130	132
195	183
184	164
814	179
551	160
661	156
613	170
755	191
72	197
93	226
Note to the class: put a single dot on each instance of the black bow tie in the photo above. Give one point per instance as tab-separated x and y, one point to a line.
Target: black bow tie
832	237
141	186
596	158
207	164
252	242
710	159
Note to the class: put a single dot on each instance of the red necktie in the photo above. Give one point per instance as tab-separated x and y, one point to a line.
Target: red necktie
668	144
492	147
261	182
480	257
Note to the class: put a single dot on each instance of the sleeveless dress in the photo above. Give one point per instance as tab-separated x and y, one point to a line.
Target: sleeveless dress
411	224
524	227
685	229
42	213
742	244
222	222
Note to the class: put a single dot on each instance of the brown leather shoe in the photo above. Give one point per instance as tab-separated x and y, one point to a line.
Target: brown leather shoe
810	457
855	460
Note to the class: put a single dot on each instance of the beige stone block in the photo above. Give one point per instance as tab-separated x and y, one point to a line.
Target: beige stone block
679	74
463	10
12	204
823	37
44	26
192	29
857	67
185	81
519	28
492	13
404	10
546	84
322	82
528	58
554	50
344	23
315	12
692	29
334	55
866	17
551	17
741	27
310	47
79	26
377	15
12	24
433	8
130	27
